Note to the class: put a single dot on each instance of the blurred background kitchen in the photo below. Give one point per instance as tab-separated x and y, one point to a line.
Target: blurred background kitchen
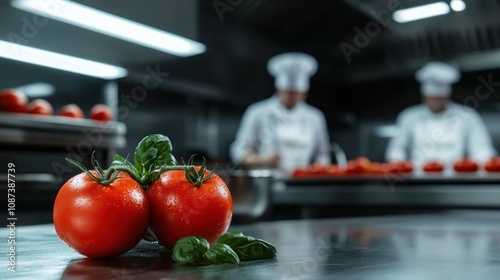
366	64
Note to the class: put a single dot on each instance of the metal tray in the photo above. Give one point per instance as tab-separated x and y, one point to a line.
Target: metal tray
35	130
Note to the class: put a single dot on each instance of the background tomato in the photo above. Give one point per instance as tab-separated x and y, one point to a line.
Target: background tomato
433	166
13	101
101	112
400	167
379	168
301	173
359	166
71	111
40	107
465	165
335	170
179	208
101	221
492	165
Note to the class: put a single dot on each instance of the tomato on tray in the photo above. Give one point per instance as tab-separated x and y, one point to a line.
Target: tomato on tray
360	165
465	165
71	111
335	170
400	167
101	217
13	101
40	107
101	112
492	165
433	166
318	171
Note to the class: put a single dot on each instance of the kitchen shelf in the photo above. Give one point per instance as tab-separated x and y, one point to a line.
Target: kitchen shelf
450	177
53	132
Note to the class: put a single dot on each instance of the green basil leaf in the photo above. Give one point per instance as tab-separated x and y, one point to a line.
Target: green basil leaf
153	152
121	161
228	235
249	248
190	249
221	253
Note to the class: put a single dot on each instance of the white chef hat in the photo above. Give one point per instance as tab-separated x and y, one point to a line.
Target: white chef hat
292	70
436	79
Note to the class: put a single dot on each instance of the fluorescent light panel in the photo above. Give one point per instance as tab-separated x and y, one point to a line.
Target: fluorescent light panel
60	61
36	90
457	5
421	12
105	23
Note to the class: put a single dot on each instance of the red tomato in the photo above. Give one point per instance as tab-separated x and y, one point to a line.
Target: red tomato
380	168
433	166
71	111
13	101
465	165
318	169
40	107
359	166
492	165
335	170
179	208
101	221
400	167
302	173
101	112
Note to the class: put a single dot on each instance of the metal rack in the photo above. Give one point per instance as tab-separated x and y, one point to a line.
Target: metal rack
448	190
26	132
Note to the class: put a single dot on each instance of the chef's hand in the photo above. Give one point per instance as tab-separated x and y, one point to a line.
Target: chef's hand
254	160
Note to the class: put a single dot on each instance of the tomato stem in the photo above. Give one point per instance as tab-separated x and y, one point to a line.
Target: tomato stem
117	169
103	177
196	178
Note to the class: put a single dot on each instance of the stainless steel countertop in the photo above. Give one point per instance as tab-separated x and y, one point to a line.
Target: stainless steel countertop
451	245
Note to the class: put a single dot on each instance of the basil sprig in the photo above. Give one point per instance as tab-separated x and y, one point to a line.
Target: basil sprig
190	249
232	247
153	153
221	253
248	248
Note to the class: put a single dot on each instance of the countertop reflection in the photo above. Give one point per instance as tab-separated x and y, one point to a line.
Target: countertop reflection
448	245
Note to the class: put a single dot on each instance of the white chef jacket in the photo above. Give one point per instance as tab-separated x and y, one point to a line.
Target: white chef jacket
300	134
448	136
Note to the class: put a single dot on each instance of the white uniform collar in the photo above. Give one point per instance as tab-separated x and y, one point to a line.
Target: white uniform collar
431	114
281	109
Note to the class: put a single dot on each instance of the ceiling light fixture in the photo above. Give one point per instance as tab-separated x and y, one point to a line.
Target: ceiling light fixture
457	5
421	12
37	90
111	25
60	61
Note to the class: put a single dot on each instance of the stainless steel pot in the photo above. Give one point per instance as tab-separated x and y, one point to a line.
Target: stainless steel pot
251	192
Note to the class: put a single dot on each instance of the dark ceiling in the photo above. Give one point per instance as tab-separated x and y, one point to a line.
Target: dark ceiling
241	35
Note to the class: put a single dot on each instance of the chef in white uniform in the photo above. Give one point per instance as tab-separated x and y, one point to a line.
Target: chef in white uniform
439	129
283	132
